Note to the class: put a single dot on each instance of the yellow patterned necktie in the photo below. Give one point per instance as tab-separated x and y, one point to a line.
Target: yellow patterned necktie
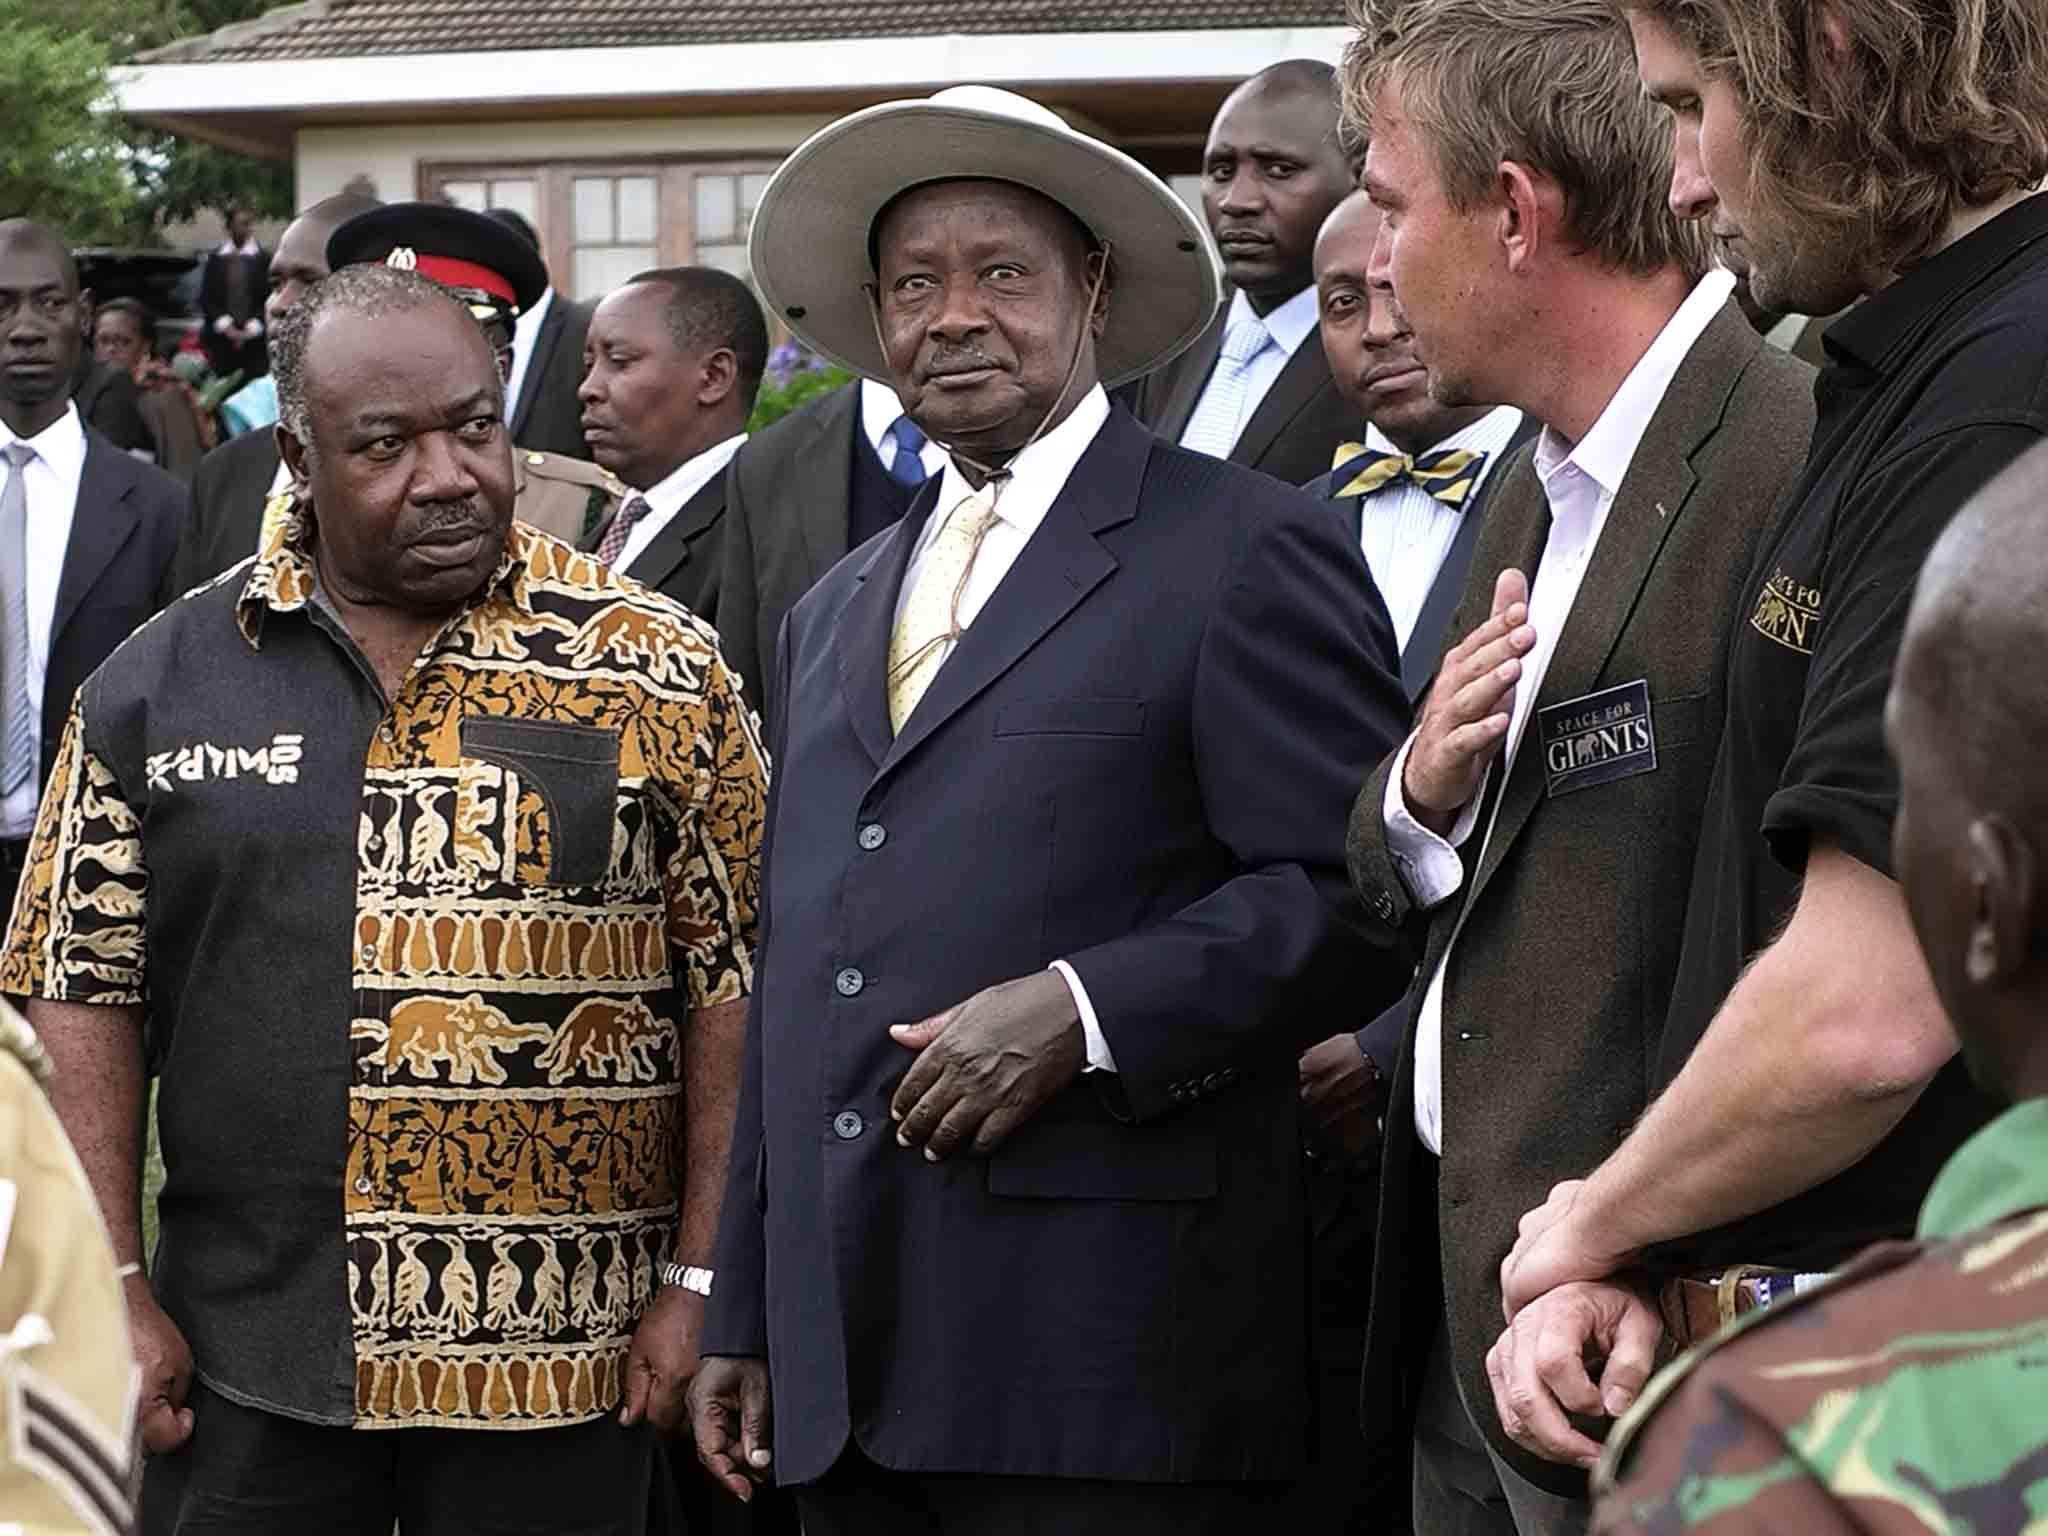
1448	475
929	626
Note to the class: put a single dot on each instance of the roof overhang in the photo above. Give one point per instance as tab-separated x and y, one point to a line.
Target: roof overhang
255	105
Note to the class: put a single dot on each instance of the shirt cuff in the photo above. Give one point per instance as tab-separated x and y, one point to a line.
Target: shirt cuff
1099	1059
1428	864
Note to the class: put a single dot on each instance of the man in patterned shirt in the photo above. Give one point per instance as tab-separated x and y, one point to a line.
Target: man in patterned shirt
418	857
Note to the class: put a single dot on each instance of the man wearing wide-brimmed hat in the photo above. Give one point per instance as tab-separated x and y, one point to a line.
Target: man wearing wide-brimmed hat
1013	1237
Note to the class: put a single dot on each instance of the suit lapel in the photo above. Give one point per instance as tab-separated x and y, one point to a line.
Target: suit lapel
105	516
669	550
867	620
1432	634
1190	375
1060	565
1307	372
537	365
1653	496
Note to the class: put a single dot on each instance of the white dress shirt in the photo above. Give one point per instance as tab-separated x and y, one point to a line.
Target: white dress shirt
1289	326
879	409
525	332
225	323
51	484
1580	482
668	496
1406	532
1037	476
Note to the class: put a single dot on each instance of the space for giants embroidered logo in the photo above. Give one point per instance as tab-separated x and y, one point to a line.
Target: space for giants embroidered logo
1788	612
277	763
1597	738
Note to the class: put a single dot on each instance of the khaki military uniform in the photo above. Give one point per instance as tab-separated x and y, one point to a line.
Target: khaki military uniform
68	1461
1907	1394
563	496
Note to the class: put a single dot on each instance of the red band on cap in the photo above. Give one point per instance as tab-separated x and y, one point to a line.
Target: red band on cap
453	272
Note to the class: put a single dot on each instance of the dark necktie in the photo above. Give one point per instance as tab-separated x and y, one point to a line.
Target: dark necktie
906	468
622	527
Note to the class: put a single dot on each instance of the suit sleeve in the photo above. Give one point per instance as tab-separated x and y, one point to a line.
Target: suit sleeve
739	593
736	1318
117	416
1297	693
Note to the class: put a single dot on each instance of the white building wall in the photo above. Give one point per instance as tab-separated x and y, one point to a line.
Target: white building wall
327	159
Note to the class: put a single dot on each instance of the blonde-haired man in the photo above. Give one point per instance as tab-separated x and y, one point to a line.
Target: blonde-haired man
1546	808
1845	150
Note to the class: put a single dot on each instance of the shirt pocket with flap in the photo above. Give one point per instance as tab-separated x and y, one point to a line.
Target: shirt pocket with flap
555	802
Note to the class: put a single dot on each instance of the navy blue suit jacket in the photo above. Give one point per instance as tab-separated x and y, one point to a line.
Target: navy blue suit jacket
1139	759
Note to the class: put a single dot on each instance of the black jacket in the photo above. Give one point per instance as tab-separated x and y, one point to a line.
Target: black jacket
228	492
117	572
1292	433
547	417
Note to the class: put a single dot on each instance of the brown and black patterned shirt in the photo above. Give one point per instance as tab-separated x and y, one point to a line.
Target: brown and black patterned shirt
415	971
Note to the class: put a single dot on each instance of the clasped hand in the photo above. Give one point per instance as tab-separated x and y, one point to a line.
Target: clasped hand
985	1067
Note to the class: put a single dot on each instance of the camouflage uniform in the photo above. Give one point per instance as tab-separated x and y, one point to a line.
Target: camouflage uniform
67	1379
1907	1394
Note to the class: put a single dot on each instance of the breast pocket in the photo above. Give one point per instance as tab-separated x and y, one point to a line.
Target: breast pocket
557	796
1072	717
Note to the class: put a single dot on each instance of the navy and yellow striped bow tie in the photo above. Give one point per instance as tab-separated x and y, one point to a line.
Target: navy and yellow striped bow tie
1448	475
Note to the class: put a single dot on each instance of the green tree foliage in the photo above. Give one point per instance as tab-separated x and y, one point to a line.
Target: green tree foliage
62	158
102	180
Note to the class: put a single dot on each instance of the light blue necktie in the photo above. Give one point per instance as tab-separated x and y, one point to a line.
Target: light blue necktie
906	467
18	740
1218	417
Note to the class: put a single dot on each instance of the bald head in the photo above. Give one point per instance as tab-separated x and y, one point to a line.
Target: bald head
1966	717
30	238
1979	613
301	256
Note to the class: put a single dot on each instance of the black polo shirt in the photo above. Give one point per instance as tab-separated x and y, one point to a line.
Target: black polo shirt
1931	387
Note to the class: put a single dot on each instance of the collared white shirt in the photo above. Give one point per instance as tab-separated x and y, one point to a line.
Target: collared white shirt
1037	476
1406	532
1289	325
248	247
1579	482
668	496
525	332
879	409
51	482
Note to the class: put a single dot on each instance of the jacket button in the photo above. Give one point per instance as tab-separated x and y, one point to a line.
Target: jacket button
1383	905
847	1124
849	982
873	835
362	1186
367	954
1212	1082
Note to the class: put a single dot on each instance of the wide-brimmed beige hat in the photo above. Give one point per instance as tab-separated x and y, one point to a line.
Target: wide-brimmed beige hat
809	249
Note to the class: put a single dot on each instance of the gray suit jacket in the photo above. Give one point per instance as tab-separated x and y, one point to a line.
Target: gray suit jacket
1568	925
1291	435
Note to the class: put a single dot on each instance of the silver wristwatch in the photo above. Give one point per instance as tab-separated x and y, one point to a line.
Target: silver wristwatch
691	1277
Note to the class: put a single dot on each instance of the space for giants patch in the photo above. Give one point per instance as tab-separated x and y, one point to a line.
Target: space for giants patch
1597	738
